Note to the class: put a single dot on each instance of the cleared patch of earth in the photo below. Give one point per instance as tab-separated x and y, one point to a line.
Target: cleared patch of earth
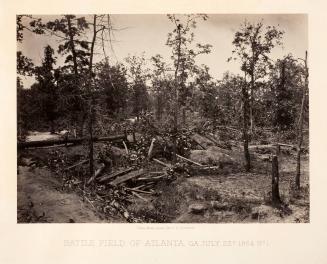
40	199
231	198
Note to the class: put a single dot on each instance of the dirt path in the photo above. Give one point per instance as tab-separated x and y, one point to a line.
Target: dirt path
39	199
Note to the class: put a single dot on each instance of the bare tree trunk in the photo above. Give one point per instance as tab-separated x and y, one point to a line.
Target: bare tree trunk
91	109
300	127
251	109
175	130
252	100
158	107
82	115
71	38
275	197
91	140
184	115
80	124
52	129
281	87
245	126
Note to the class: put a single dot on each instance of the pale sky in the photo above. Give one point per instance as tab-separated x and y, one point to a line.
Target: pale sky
148	34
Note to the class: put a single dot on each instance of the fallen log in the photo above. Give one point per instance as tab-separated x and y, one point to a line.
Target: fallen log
77	164
188	160
137	190
229	128
214	140
151	148
125	146
72	141
151	178
156	172
114	175
54	146
97	173
128	176
162	163
284	145
197	142
148	186
139	196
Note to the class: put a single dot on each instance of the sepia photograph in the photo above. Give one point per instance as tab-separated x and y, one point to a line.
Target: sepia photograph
162	118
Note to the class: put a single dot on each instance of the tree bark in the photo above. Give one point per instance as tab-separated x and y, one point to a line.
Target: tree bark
251	105
81	123
91	111
252	92
91	140
275	197
52	129
300	127
175	130
245	126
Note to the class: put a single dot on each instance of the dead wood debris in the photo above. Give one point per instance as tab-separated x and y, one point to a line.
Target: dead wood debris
116	185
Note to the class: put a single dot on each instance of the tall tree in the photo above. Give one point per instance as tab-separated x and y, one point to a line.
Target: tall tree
47	88
284	95
25	67
245	97
300	123
160	83
183	56
252	45
138	76
70	30
96	29
112	82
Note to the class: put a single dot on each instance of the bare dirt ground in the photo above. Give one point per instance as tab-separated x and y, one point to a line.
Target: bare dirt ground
40	199
243	197
231	196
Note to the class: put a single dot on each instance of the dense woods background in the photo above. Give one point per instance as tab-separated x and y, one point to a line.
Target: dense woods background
86	93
